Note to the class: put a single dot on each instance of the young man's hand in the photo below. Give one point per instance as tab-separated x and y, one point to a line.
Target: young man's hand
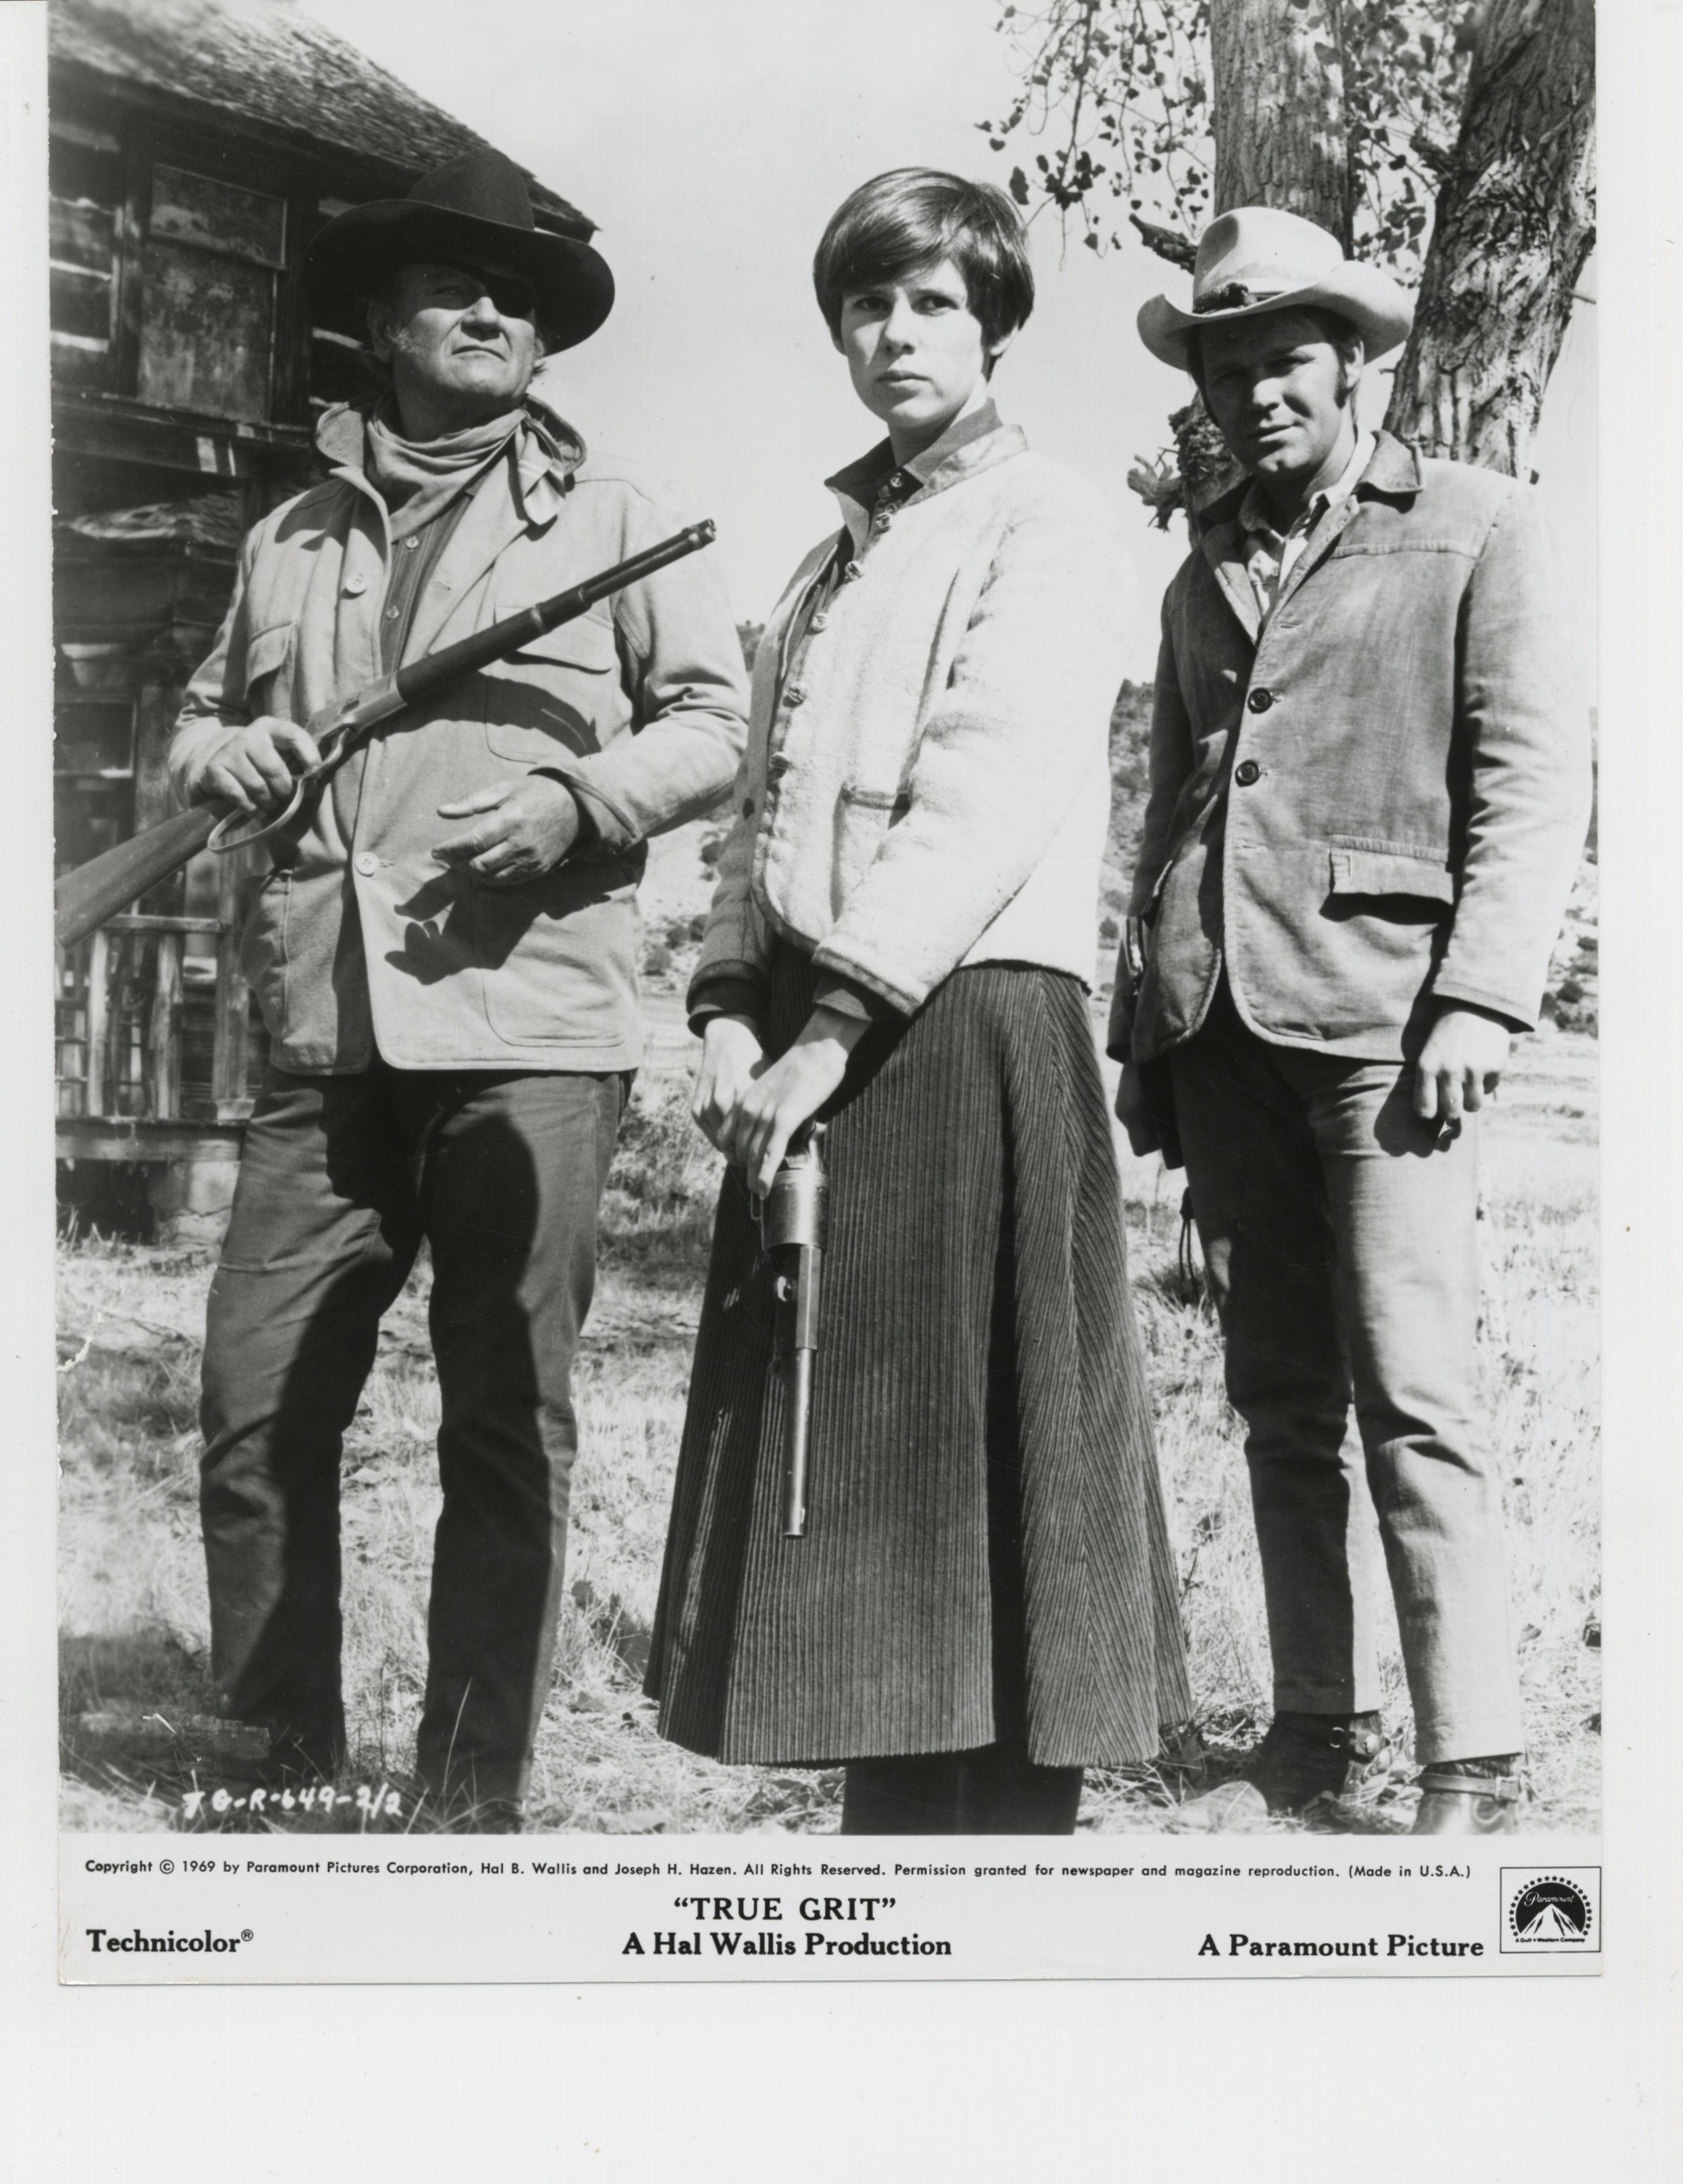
1134	1115
254	768
1460	1065
788	1092
525	828
731	1058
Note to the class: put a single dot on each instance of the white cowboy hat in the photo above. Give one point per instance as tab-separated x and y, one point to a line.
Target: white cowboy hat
1256	260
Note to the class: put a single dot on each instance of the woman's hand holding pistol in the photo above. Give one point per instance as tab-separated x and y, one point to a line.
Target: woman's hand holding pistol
750	1109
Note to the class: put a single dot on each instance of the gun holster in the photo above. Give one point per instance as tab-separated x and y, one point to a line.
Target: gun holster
1156	1087
1157	1090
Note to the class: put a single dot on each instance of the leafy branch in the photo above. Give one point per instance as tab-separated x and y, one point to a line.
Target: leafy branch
1119	93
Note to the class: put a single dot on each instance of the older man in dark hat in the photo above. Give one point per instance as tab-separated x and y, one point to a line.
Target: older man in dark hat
444	956
1369	783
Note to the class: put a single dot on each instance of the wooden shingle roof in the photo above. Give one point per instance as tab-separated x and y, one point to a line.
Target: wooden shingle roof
268	64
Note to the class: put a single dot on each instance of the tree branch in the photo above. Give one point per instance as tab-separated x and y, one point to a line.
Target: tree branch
1167	242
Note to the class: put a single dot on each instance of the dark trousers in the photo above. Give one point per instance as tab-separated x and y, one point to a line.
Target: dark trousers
994	1791
339	1181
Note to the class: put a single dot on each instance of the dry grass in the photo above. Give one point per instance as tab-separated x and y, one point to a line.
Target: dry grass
131	1578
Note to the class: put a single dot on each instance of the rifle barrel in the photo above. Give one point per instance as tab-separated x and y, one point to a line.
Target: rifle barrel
425	676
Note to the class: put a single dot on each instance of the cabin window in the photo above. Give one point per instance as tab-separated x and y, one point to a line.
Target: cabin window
207	278
84	192
94	767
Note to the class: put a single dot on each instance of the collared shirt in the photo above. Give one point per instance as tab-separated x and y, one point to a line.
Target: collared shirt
420	526
413	558
1270	555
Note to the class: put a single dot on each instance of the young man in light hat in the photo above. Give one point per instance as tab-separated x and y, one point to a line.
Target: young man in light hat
1369	785
444	957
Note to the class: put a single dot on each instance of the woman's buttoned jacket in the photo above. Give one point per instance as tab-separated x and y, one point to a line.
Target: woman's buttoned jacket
926	782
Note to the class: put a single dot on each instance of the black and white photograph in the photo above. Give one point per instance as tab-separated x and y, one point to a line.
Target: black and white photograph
826	1007
696	1200
830	1055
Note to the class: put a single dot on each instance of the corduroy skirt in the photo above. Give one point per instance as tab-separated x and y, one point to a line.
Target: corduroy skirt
986	1558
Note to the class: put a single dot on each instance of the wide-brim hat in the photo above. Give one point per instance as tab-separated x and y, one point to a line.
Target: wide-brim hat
475	211
1257	259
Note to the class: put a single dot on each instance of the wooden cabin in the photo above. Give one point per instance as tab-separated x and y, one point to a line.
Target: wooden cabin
196	146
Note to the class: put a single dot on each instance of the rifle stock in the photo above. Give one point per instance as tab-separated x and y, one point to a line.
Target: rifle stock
110	882
84	899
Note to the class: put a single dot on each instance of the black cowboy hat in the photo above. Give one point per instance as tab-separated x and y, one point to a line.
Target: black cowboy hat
476	211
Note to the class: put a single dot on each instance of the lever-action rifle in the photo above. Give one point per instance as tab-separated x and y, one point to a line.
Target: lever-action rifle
99	890
791	1225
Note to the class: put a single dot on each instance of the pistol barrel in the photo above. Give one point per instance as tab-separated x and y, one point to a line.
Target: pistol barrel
797	1395
792	1224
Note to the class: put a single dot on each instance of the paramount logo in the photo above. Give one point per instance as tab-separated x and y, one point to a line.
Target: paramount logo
1553	1922
1548	1912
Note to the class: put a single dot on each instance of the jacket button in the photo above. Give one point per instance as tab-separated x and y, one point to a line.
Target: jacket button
367	863
1260	700
1247	773
794	695
779	766
818	621
850	571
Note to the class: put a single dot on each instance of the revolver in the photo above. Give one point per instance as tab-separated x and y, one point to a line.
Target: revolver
791	1225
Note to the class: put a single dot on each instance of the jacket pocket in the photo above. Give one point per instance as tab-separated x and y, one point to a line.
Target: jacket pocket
1393	870
269	668
553	692
863	819
895	801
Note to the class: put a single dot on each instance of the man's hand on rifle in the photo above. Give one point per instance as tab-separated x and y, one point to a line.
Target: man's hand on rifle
767	1113
254	768
524	829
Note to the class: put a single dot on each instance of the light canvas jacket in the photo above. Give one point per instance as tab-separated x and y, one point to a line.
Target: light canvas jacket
1377	797
360	941
926	782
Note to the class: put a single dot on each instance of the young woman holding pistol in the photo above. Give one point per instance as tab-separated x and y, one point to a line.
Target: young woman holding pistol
983	1602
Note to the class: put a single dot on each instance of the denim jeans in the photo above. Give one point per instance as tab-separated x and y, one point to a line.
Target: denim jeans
1339	1234
341	1179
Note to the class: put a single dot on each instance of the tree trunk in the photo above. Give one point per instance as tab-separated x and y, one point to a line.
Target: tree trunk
1515	222
1277	75
1277	78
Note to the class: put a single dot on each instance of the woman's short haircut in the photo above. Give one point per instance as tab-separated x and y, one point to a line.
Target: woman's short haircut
913	217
